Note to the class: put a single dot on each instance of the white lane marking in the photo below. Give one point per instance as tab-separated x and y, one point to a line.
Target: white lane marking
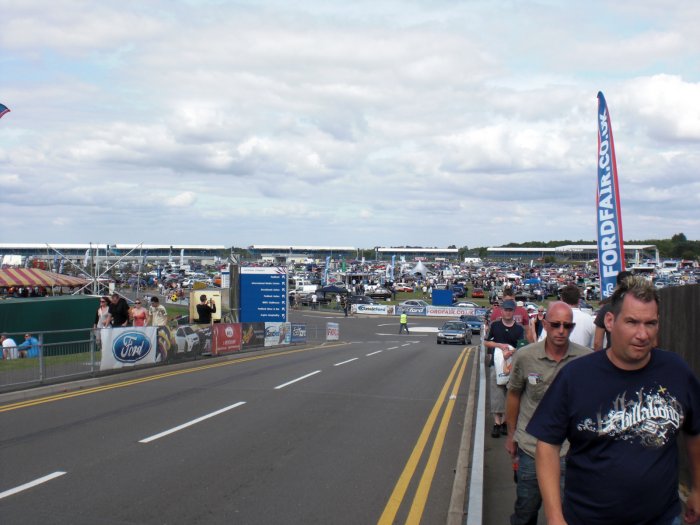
392	348
407	344
297	379
31	484
348	361
372	353
190	423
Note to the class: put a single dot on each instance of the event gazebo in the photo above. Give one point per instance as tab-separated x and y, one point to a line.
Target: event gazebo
30	277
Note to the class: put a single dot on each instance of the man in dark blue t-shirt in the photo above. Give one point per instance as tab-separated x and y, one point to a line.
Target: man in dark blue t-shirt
622	410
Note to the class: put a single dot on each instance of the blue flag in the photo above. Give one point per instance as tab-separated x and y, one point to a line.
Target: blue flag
3	110
611	251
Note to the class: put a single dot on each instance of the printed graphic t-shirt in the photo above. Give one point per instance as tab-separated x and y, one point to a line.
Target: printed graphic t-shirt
622	426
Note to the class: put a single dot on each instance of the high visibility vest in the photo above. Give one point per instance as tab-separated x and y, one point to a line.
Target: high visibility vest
404	319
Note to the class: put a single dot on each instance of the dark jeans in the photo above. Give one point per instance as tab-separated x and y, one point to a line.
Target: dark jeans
403	327
528	498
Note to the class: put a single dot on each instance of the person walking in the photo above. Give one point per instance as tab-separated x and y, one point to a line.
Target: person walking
119	310
503	335
622	411
534	368
158	315
403	323
139	315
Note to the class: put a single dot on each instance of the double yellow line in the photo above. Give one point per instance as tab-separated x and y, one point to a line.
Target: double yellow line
155	377
421	496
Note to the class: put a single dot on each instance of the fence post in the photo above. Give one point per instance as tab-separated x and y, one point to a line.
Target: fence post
41	358
93	340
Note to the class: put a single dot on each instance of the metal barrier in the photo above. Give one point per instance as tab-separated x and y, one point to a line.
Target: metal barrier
75	354
61	354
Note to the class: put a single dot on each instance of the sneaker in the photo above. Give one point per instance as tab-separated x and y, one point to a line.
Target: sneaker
504	429
496	432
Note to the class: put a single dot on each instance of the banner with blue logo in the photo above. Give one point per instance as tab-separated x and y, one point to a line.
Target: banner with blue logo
611	252
128	346
298	333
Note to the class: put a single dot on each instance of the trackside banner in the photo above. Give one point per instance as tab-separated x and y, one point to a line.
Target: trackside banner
611	252
130	346
228	338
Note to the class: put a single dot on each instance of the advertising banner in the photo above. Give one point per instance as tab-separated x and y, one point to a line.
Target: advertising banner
332	331
253	335
611	252
278	334
128	346
411	310
375	309
227	339
453	311
298	333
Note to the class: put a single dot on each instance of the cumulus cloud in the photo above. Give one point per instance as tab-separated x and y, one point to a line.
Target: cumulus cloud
340	124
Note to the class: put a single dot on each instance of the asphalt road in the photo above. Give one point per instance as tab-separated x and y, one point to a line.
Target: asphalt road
362	431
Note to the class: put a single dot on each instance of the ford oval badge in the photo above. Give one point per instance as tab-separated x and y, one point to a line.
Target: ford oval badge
131	347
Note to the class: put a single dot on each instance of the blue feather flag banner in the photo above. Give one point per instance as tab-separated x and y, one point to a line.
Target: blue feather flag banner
3	110
611	251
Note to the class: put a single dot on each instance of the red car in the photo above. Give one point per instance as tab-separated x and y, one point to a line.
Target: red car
478	292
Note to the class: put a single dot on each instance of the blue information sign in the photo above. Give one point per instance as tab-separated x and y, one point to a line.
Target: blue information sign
263	294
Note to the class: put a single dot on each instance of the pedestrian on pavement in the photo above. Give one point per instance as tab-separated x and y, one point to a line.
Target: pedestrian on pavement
601	339
157	313
534	369
584	330
139	315
622	410
119	310
403	323
504	335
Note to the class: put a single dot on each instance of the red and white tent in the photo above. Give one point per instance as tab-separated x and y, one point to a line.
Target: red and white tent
36	277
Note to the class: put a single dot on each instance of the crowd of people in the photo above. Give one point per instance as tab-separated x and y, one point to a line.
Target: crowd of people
592	410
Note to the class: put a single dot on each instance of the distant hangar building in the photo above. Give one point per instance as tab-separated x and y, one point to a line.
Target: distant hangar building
571	252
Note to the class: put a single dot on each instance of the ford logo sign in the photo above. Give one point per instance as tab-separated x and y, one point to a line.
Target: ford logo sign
131	347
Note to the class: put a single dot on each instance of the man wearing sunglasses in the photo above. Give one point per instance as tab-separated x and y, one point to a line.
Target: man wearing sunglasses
534	369
622	410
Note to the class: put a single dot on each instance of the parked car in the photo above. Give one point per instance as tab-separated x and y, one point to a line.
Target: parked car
361	299
454	332
379	293
403	287
475	323
187	340
466	304
414	302
478	292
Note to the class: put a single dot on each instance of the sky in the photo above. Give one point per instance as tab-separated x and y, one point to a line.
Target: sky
367	123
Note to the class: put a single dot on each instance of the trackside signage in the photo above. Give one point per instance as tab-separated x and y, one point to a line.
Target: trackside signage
227	338
332	331
611	258
129	346
263	294
375	309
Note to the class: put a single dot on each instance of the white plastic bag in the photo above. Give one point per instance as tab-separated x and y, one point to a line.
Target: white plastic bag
502	365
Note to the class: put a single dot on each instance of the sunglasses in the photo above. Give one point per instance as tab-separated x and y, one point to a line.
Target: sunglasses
559	324
138	302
